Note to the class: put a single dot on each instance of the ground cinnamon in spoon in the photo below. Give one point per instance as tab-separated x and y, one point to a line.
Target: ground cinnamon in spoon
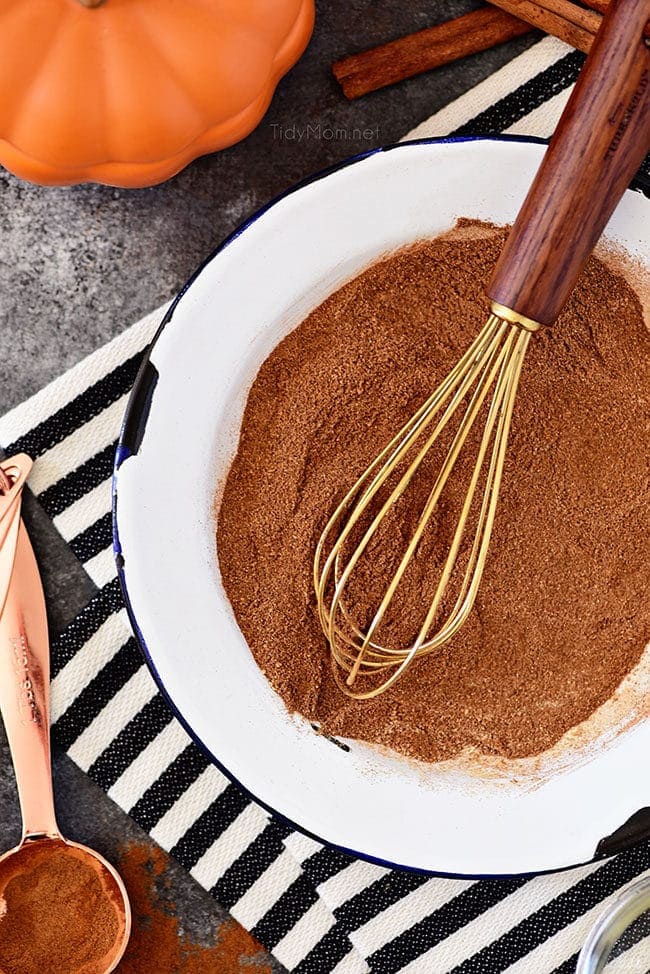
562	614
57	913
56	917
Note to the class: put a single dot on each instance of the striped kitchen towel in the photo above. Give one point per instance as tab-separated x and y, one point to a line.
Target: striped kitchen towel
317	910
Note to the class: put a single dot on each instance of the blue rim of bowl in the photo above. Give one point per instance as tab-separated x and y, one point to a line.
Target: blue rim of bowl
135	417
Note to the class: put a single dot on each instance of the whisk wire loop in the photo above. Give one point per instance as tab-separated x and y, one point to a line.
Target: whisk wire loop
492	363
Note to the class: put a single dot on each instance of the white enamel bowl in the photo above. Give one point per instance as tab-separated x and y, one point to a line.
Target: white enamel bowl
179	437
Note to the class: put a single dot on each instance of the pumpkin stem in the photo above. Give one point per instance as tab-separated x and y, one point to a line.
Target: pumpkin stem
91	3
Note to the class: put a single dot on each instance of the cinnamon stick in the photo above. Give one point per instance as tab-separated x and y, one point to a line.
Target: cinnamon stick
561	18
431	48
601	7
588	20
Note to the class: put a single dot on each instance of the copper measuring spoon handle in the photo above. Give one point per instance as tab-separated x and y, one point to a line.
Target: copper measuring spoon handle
24	658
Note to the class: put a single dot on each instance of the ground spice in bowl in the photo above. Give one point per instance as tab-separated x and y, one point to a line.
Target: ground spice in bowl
562	614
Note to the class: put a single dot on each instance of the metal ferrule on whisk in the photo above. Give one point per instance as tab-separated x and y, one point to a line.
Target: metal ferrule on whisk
507	314
485	379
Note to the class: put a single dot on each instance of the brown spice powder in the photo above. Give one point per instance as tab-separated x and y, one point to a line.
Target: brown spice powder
562	614
57	912
57	916
159	944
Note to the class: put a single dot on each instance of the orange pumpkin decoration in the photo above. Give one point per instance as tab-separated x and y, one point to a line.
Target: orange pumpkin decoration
129	91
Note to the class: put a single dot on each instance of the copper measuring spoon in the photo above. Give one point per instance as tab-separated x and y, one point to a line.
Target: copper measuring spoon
25	706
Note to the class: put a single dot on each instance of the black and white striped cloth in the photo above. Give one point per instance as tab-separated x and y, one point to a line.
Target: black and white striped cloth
318	911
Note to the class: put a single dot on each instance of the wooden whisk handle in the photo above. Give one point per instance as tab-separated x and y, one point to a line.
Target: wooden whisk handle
601	140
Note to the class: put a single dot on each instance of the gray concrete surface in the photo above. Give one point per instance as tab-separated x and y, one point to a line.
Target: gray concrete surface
78	264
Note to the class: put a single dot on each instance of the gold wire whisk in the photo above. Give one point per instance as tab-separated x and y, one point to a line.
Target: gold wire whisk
599	143
492	363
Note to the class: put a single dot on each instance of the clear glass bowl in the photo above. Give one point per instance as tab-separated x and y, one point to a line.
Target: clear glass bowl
619	942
